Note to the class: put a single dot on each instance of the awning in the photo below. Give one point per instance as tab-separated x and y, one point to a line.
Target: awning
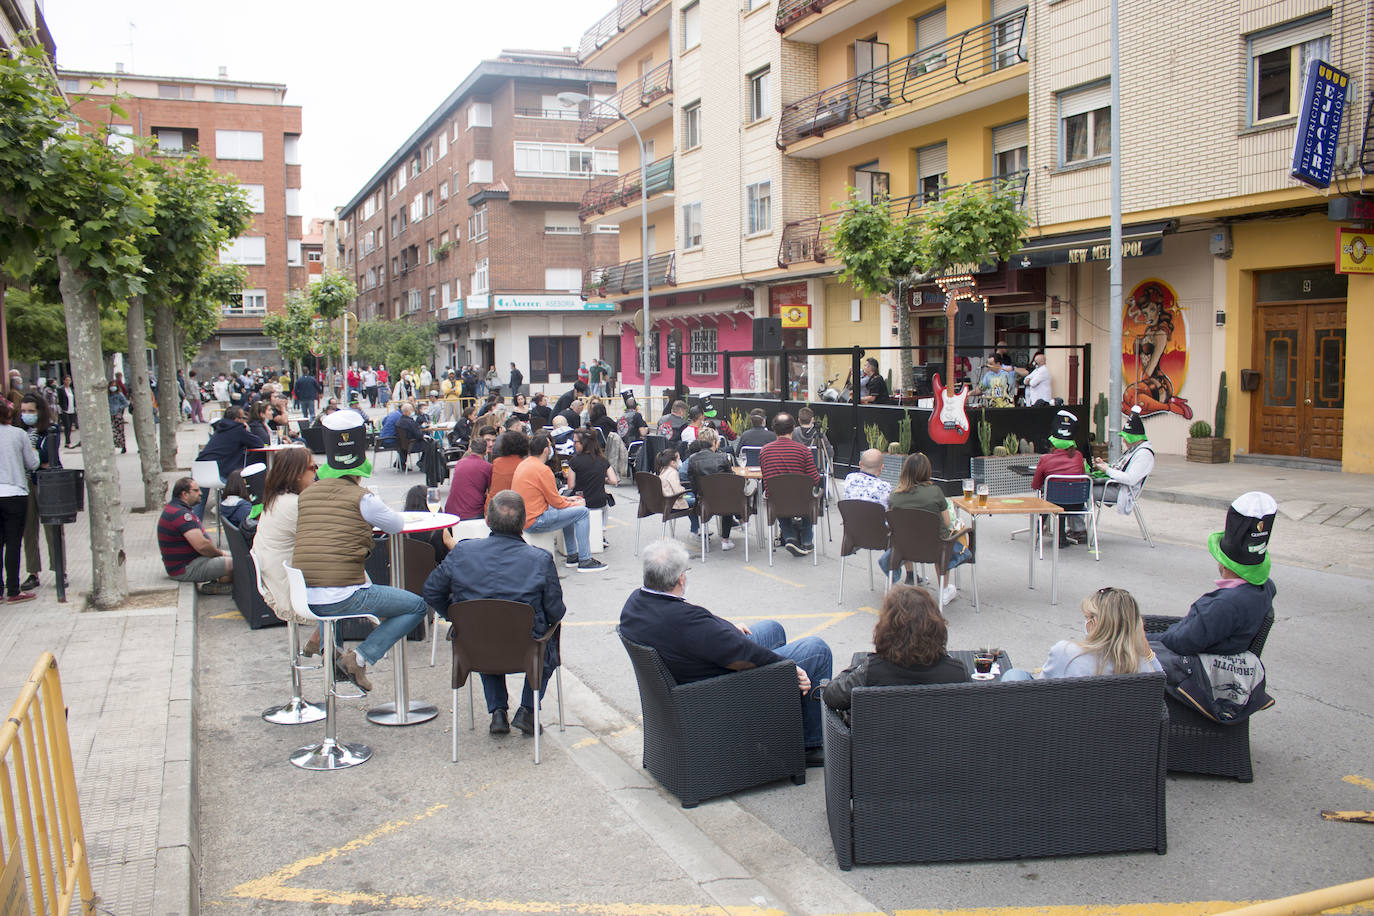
1142	240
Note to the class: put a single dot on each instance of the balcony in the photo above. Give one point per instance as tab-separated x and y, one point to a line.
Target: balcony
813	21
619	279
626	15
646	101
624	190
805	239
941	81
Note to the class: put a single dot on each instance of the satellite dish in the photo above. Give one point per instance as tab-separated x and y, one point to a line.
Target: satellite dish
638	321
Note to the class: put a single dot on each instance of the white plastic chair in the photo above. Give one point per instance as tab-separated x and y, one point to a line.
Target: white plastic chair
295	711
206	476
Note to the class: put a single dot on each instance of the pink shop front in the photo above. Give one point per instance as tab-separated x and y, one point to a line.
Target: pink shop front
698	327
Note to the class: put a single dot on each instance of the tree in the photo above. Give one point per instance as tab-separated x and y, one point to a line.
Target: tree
36	326
75	199
294	332
400	345
331	297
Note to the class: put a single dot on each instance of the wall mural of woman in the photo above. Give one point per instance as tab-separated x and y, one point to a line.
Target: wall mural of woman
1154	352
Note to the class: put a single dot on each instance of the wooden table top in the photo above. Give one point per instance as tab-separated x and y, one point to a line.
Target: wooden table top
750	473
1008	505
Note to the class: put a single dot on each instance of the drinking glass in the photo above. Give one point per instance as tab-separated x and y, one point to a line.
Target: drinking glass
432	499
982	494
968	489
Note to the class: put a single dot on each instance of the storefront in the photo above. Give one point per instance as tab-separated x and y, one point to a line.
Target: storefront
717	320
547	337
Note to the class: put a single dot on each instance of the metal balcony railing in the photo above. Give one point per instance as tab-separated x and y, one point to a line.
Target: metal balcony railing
806	239
625	189
789	11
618	279
613	23
956	61
641	93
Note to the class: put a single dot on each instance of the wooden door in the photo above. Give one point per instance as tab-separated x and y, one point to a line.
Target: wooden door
1301	404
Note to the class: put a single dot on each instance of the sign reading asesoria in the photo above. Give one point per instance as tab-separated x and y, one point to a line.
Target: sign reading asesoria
1319	126
548	304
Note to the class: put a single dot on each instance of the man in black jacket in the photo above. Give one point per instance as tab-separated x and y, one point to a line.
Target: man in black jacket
502	565
711	460
228	446
579	390
517	378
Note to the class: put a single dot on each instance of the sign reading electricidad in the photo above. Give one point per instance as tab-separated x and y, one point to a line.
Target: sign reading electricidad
1319	126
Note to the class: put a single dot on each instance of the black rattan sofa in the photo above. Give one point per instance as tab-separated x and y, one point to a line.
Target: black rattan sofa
998	770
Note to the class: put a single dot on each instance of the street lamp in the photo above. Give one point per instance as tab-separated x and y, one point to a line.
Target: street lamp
346	315
576	98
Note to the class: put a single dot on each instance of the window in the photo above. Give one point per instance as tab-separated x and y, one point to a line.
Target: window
563	279
255	197
404	222
314	257
171	91
429	154
70	85
414	165
554	108
226	94
254	302
558	160
400	181
433	298
395	225
291	148
293	252
930	31
562	222
751	5
443	237
869	183
479	171
413	301
169	142
477	224
443	145
554	356
1009	149
1009	33
691	126
703	339
293	201
238	144
443	193
369	208
479	114
759	198
932	171
481	278
121	137
758	94
417	212
691	26
1278	65
246	249
1085	124
691	225
429	203
429	251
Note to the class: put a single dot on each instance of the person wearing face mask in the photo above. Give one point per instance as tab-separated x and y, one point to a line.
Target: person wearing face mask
118	404
46	439
66	403
1113	642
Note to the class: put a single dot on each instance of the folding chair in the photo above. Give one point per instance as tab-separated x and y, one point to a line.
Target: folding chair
1072	490
721	495
1111	492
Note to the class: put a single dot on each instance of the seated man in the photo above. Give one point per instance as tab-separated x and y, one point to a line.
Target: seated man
785	455
865	482
696	644
408	426
1063	458
758	433
546	510
335	518
467	492
562	436
708	460
229	442
188	554
388	430
809	434
572	414
503	566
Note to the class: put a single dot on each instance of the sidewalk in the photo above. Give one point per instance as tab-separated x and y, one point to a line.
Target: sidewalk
1338	500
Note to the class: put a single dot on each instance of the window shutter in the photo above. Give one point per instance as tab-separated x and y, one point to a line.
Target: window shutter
1009	137
930	30
1001	8
932	160
1287	36
1081	100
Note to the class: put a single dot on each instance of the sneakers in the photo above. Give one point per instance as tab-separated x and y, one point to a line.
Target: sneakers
349	667
727	544
591	564
22	596
216	588
29	584
571	561
797	549
949	593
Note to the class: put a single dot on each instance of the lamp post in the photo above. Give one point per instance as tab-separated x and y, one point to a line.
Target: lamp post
576	98
346	315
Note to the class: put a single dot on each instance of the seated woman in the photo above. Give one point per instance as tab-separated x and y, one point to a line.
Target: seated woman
236	504
292	471
512	448
667	464
588	474
441	539
1113	641
520	409
915	491
257	421
908	648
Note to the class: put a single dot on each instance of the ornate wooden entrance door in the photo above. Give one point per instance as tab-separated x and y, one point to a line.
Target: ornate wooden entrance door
1301	403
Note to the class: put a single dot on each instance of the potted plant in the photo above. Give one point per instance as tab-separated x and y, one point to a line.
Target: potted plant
1208	444
995	469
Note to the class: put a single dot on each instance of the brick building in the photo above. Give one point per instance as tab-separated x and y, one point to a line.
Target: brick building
472	222
246	130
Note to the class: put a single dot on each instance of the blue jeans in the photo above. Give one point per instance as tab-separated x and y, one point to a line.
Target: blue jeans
494	686
812	655
1016	674
796	529
960	556
399	610
575	525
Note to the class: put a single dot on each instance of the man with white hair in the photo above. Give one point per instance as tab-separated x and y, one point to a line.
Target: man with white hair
865	482
696	644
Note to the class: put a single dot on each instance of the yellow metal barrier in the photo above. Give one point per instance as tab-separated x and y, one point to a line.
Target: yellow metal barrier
41	838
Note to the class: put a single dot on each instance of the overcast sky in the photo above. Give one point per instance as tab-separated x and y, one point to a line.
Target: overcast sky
365	73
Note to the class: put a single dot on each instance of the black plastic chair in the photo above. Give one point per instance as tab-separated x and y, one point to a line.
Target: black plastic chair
793	496
916	538
245	582
722	495
653	502
864	528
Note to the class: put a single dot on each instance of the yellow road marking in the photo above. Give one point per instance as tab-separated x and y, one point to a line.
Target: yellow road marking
834	619
227	615
767	575
1360	781
585	742
869	610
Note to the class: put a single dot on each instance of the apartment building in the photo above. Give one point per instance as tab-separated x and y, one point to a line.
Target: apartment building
1230	263
246	130
472	222
320	249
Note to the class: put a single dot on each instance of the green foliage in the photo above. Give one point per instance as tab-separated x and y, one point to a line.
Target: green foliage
904	433
331	296
970	223
36	327
875	436
294	331
396	344
999	451
1221	408
1200	429
876	251
1012	444
737	420
985	433
1100	417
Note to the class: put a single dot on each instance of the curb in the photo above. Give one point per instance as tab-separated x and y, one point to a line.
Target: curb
1185	498
176	881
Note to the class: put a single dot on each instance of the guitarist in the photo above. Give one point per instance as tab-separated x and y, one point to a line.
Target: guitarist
872	388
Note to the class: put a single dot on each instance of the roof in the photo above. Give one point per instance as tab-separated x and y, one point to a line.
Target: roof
484	78
109	74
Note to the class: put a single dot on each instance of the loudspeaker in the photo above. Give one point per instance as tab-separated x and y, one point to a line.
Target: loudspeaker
767	333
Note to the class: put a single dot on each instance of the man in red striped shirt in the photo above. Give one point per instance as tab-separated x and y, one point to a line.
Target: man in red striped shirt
785	455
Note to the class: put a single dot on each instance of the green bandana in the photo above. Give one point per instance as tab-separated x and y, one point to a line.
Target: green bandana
1133	438
1062	443
328	471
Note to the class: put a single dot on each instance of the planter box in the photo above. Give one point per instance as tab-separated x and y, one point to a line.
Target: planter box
996	472
1209	451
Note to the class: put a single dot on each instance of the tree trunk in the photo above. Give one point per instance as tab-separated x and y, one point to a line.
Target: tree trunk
141	402
908	375
109	577
168	400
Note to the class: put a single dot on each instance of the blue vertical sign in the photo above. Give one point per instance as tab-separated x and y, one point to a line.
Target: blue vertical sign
1319	126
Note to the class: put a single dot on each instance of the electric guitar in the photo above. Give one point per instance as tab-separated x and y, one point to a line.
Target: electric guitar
948	420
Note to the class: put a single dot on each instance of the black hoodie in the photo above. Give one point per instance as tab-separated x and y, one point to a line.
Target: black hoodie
228	445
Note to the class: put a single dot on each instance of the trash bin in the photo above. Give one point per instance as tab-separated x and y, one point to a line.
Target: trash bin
61	495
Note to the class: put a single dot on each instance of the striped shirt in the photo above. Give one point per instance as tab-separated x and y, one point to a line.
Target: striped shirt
787	456
176	521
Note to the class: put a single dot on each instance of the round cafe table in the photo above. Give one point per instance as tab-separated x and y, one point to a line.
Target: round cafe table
406	711
268	452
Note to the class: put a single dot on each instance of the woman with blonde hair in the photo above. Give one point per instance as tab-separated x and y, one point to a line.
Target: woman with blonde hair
1113	641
